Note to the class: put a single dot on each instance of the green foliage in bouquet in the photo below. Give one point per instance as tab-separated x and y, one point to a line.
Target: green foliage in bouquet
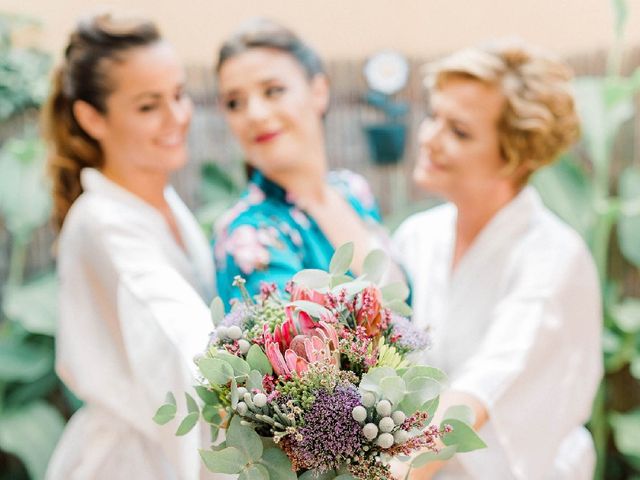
596	189
320	384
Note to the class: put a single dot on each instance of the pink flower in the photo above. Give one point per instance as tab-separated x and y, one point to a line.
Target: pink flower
248	247
298	292
369	315
287	364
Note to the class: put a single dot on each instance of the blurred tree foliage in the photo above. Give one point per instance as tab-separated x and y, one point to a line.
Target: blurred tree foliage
596	189
33	401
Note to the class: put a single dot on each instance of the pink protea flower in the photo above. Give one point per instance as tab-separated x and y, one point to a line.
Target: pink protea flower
284	333
370	314
284	364
298	292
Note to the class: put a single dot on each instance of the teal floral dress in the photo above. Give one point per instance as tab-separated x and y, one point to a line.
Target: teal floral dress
265	237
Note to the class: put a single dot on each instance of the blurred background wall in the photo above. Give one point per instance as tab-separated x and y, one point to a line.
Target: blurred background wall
342	29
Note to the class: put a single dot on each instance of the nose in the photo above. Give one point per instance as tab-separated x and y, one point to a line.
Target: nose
179	110
257	108
428	133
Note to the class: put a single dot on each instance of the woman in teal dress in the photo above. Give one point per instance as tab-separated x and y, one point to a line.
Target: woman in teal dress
294	213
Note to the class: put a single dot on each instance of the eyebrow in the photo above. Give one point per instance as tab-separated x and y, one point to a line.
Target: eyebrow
235	91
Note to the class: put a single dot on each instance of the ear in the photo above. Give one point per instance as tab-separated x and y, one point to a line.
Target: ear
90	119
320	90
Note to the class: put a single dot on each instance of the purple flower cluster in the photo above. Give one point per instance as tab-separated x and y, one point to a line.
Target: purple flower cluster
330	435
409	337
236	316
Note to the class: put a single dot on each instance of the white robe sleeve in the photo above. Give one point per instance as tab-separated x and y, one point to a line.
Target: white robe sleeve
163	324
539	365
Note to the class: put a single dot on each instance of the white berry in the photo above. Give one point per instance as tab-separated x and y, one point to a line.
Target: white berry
384	408
234	332
370	431
386	424
385	440
359	413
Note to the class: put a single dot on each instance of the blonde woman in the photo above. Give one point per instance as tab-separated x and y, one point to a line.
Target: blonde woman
510	291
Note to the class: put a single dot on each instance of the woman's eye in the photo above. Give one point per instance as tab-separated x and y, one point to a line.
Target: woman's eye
146	108
231	104
461	134
274	91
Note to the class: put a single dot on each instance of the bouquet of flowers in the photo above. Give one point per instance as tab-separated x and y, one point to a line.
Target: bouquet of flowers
320	385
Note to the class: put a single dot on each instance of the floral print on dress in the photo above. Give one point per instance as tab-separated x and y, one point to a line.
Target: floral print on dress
266	237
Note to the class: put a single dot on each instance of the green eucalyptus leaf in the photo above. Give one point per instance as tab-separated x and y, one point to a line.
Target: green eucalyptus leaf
351	288
341	260
240	367
463	436
216	370
258	360
32	304
254	381
629	222
393	389
427	457
192	406
229	460
217	311
338	280
313	309
207	396
375	265
395	291
211	414
460	412
278	464
313	279
188	423
244	438
165	414
425	371
430	406
254	471
419	391
31	433
371	380
400	307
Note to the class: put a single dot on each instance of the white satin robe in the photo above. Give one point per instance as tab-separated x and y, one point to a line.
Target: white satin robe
517	324
132	317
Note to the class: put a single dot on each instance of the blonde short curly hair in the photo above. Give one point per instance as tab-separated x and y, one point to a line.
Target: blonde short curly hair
539	119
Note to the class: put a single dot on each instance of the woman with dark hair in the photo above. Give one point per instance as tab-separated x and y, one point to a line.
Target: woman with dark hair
274	93
134	268
510	293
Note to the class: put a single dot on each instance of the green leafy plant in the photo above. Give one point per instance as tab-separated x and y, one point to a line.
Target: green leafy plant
33	402
604	206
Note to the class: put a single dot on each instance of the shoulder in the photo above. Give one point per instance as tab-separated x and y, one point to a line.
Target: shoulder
425	223
352	184
553	255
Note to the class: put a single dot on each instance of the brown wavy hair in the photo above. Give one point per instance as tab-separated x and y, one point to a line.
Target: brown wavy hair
539	120
94	45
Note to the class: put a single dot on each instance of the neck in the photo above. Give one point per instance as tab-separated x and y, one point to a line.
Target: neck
147	186
306	184
476	211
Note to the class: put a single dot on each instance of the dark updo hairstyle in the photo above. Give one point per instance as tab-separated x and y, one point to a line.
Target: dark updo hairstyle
263	33
96	43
